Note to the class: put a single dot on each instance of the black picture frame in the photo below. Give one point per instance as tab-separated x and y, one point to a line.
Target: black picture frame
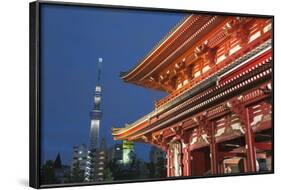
35	89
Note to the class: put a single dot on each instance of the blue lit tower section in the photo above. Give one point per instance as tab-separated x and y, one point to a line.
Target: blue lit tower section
95	116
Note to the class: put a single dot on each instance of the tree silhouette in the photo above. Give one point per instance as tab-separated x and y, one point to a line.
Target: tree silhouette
108	175
48	173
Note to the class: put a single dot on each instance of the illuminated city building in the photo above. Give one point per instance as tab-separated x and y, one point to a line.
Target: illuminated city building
79	154
128	152
101	161
116	153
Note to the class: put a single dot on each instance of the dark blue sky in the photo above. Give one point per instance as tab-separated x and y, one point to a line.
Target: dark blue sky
73	38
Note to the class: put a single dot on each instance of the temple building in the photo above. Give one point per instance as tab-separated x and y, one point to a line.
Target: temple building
217	116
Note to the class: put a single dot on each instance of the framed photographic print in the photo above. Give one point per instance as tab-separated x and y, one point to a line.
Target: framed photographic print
130	94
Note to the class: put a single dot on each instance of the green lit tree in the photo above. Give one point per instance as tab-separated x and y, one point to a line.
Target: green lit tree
108	176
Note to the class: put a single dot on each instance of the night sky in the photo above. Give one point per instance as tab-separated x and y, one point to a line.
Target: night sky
73	38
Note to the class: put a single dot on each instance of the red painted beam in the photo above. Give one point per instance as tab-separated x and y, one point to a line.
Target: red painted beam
264	145
225	155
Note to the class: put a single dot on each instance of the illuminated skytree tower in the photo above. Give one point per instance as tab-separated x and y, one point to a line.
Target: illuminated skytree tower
96	112
96	115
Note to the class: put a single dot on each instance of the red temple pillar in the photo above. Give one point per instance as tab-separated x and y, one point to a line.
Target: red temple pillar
250	147
243	113
213	151
168	162
186	161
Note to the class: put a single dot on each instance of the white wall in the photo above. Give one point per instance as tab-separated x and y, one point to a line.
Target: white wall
14	94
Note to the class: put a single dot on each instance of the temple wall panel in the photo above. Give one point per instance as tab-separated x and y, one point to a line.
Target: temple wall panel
260	116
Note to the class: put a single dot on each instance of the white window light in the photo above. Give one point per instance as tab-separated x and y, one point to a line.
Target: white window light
185	82
95	123
97	99
98	88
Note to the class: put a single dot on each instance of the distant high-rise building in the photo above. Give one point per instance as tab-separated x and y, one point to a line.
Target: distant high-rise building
101	161
156	155
128	152
95	115
116	153
158	162
79	157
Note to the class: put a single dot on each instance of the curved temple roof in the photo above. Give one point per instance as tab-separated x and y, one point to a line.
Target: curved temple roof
181	38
